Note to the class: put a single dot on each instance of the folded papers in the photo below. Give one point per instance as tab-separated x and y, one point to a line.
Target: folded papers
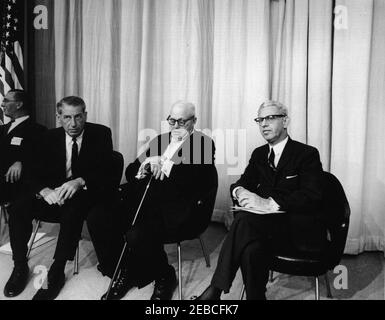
256	211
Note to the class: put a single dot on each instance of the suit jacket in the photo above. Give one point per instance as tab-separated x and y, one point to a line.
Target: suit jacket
30	134
95	159
192	176
296	186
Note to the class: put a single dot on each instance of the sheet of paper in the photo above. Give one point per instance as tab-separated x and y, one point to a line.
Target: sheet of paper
236	208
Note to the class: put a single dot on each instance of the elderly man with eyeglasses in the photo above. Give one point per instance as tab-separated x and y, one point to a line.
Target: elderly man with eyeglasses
277	198
181	166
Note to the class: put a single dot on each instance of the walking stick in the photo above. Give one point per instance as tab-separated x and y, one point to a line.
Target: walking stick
117	269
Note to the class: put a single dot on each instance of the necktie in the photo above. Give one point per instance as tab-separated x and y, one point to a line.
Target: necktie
74	158
271	159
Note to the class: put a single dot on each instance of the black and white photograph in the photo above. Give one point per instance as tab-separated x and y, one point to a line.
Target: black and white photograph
211	151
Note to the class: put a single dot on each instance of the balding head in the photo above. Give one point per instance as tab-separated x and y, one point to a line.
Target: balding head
184	112
183	108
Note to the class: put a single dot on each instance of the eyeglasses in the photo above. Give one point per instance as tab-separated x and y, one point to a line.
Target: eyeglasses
269	119
181	122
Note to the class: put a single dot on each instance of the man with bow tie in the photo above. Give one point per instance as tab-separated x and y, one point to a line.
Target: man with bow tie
279	192
181	163
18	140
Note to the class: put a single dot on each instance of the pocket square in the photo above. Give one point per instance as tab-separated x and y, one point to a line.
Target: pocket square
291	177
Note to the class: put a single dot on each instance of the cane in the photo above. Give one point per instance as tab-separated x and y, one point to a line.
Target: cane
117	269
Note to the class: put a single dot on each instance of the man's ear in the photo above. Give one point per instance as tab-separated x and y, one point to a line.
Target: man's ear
19	105
286	122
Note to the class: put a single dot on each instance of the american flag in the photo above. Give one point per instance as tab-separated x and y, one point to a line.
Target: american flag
11	50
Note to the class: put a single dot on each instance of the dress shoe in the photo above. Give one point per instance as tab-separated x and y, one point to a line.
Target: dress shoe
17	281
120	287
165	286
211	293
55	284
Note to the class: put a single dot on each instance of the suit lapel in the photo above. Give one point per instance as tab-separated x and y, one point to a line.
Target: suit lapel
286	155
85	145
18	131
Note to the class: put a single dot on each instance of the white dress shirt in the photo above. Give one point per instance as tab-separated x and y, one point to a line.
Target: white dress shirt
278	149
69	142
166	161
17	122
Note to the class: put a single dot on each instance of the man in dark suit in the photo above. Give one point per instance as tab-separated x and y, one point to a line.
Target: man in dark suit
181	163
283	175
71	176
18	140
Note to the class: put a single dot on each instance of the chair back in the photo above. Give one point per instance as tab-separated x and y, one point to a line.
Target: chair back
336	212
117	168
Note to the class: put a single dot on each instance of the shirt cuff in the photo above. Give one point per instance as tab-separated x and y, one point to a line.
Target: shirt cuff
167	166
235	192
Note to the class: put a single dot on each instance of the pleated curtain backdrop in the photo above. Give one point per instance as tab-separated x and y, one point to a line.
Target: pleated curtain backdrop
131	59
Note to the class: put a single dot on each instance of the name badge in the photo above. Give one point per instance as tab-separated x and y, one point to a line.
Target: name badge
16	141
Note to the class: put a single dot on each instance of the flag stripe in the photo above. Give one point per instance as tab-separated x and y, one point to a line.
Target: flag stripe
17	72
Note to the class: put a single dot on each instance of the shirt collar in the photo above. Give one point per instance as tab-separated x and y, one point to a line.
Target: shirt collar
278	148
79	138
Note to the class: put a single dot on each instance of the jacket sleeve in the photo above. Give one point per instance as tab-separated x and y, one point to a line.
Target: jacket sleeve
249	179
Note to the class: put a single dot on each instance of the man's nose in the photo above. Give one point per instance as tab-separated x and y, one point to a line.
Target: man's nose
73	122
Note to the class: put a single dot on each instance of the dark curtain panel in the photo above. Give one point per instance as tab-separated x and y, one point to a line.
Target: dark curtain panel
41	63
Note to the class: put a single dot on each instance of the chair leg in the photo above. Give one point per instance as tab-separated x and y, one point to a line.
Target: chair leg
316	288
205	253
33	238
76	262
329	292
242	292
1	213
5	211
180	271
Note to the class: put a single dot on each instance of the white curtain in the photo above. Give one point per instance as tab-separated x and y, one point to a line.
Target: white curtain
131	59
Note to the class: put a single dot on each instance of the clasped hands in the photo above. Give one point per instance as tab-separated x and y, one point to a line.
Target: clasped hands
152	165
251	200
66	191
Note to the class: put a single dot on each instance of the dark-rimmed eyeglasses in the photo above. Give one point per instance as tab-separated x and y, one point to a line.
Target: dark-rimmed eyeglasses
269	119
181	122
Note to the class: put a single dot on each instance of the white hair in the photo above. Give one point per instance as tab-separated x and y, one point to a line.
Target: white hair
271	103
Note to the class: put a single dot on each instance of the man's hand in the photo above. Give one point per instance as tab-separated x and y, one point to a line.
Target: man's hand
67	190
14	172
153	165
251	200
50	196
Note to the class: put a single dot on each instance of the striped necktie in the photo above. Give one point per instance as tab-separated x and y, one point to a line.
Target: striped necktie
271	159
